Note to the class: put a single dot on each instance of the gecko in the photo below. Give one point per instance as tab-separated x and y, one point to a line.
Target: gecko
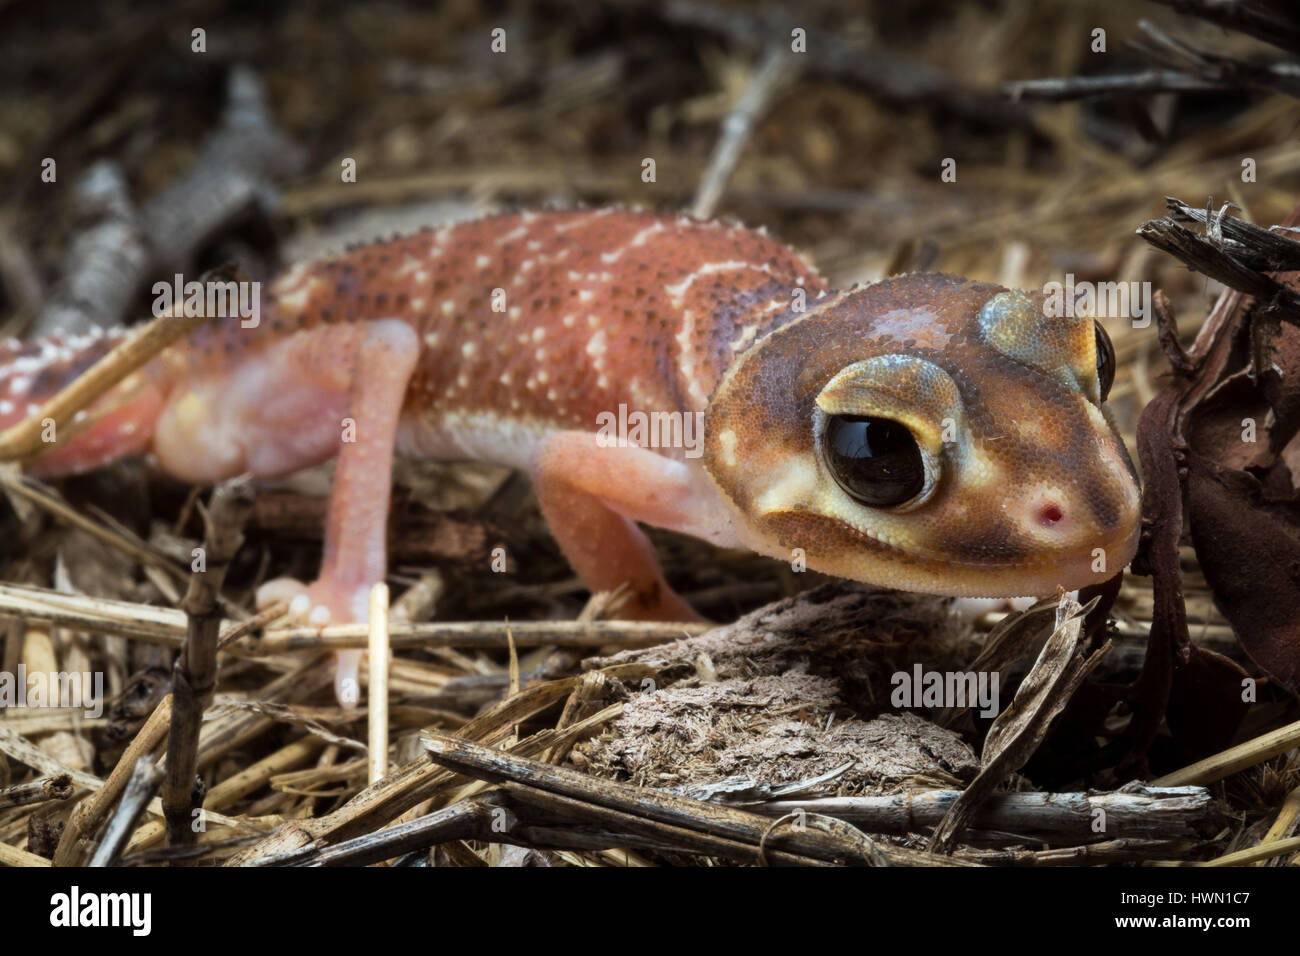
925	432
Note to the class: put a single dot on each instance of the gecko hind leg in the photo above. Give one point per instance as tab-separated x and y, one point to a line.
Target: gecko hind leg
355	549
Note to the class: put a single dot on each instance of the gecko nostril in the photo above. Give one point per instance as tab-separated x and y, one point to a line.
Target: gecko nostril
1050	514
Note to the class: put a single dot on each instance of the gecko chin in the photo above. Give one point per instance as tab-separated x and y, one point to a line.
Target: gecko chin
960	576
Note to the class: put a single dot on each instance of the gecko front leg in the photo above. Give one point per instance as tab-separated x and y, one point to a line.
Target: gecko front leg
355	549
593	495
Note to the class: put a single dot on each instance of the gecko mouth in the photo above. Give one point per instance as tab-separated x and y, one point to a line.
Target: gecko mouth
850	552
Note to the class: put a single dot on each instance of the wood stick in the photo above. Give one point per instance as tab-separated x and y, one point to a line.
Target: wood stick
1205	256
1262	249
57	787
1140	813
139	791
1111	84
24	751
1090	854
238	786
1253	854
483	634
166	626
464	820
1286	818
778	63
495	818
377	692
236	165
1271	25
51	719
1229	761
411	783
88	815
195	675
578	824
104	262
12	856
255	623
846	846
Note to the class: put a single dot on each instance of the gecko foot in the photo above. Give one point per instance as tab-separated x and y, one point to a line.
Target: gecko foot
661	604
320	604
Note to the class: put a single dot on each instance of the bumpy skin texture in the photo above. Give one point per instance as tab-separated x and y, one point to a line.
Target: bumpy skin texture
1026	476
598	307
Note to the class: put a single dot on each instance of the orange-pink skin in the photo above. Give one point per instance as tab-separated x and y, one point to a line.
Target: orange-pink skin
567	281
593	309
504	339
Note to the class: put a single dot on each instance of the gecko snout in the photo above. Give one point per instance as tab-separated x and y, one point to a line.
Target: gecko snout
1082	533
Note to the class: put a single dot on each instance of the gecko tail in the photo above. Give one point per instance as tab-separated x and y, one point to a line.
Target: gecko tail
117	424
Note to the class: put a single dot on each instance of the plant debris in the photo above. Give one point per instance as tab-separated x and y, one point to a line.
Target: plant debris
524	726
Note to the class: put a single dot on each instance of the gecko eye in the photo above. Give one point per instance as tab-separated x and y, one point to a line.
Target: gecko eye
875	460
1105	361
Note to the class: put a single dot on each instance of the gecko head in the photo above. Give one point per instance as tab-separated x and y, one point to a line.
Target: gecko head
929	433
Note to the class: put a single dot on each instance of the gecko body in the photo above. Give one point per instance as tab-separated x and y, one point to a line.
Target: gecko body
925	432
